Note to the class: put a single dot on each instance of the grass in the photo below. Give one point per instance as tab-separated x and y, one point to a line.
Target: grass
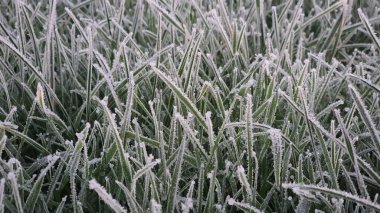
189	106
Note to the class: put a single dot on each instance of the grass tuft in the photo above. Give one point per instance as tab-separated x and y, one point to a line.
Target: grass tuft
189	106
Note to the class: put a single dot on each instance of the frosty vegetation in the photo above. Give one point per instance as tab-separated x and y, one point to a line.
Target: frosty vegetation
189	106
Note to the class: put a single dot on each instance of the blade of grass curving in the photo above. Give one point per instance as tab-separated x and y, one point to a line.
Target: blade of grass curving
139	173
366	82
126	167
310	118
277	150
320	14
89	73
191	134
181	95
106	197
352	154
137	17
77	24
176	176
35	192
240	172
74	164
133	204
129	104
24	137
38	74
175	22
48	59
61	205
33	37
15	191
336	193
366	117
369	28
194	62
187	205
245	207
185	57
200	188
249	132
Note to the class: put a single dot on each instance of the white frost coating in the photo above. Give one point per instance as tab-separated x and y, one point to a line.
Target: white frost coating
250	83
69	143
240	169
94	161
9	125
366	117
190	115
240	172
208	114
210	174
277	150
219	207
51	158
135	121
275	135
231	201
11	175
150	158
155	207
104	101
308	190
13	161
107	198
83	134
227	163
187	205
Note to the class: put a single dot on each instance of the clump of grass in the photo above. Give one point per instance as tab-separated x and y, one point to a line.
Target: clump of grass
189	106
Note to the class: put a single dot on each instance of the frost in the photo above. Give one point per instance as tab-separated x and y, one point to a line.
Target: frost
51	158
11	175
208	115
277	151
210	174
231	201
107	198
104	101
13	161
187	205
155	207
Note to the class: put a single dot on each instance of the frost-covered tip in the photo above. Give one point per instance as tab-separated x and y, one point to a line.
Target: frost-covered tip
13	161
187	205
51	158
82	135
275	135
208	115
240	172
231	201
107	198
104	101
40	94
277	150
155	207
240	169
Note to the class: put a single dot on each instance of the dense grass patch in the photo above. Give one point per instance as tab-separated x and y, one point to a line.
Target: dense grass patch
189	106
